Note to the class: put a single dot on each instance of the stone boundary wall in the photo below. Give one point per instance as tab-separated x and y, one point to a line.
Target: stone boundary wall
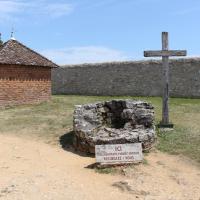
139	78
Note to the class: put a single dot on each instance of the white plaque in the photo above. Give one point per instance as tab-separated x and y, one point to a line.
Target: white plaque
118	153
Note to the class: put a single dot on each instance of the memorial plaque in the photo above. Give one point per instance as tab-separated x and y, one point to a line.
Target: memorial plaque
118	153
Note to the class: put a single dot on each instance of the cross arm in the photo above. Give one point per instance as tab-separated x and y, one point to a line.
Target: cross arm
166	53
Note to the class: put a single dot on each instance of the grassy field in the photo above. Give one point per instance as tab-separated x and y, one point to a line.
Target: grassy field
48	121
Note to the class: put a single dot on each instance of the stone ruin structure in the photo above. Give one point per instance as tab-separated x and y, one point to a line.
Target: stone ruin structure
113	122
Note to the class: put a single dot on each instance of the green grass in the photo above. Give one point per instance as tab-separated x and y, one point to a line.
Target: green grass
180	141
48	121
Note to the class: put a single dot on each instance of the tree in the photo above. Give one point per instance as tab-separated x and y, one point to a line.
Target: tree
1	42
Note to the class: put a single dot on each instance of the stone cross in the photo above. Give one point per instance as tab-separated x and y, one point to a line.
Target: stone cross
165	53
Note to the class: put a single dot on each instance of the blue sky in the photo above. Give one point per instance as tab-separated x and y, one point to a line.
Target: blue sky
82	31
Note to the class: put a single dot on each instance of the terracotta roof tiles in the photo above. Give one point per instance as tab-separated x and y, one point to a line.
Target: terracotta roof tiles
15	53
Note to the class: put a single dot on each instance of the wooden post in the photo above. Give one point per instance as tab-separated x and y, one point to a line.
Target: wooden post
165	54
165	61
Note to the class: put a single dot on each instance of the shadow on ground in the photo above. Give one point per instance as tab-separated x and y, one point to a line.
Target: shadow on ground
66	142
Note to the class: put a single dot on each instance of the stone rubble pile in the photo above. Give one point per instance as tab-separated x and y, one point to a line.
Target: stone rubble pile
113	122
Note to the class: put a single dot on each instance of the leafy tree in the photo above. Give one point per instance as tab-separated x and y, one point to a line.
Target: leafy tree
1	42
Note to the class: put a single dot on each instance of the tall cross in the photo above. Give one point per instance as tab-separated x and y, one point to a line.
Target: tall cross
165	53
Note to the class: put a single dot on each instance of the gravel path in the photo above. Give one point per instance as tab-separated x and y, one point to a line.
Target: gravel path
31	170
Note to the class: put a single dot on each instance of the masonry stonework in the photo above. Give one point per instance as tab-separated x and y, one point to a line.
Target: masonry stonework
140	78
24	84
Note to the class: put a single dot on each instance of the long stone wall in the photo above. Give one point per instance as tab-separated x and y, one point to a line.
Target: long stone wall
139	78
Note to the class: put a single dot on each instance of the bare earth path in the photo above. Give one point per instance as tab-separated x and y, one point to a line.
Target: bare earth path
31	170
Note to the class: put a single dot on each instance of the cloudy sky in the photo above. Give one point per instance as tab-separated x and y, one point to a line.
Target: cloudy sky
82	31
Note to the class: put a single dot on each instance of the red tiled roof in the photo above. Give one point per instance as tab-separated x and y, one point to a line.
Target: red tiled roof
15	53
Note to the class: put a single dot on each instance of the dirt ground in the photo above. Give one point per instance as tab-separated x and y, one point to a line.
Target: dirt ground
31	170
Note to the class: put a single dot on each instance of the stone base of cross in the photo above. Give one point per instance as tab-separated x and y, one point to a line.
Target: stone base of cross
165	53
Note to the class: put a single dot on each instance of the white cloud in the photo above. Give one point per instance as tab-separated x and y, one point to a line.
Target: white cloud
58	9
96	4
12	9
87	54
9	8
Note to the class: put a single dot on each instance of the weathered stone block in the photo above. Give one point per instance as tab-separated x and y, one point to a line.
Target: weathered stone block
114	122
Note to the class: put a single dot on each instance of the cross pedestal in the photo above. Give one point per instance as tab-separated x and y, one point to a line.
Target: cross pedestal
165	53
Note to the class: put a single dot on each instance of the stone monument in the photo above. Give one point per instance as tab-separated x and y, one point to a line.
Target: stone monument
113	122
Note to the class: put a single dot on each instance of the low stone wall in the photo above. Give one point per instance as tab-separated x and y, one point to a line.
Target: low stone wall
141	78
113	122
